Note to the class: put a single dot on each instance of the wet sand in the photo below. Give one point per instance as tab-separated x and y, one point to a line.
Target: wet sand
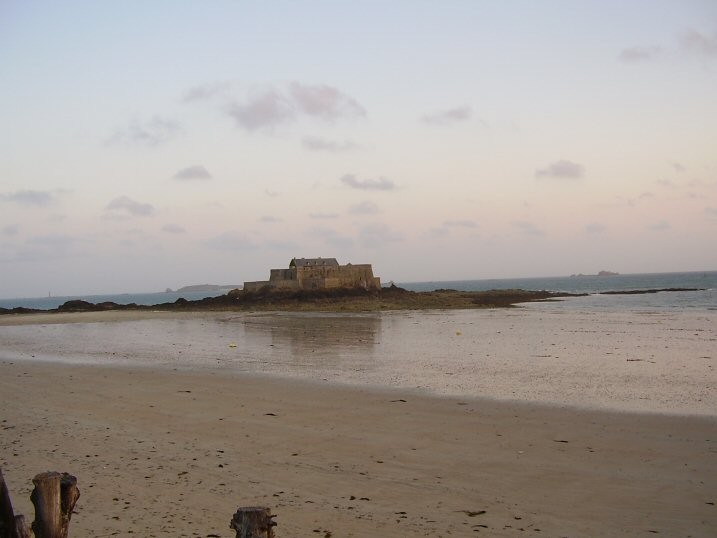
626	361
166	453
173	452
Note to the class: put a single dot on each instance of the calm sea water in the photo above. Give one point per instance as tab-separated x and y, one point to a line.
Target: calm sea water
706	281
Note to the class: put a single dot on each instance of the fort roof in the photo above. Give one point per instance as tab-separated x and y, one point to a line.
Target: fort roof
314	262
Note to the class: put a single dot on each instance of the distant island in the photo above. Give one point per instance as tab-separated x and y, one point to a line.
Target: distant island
205	287
600	273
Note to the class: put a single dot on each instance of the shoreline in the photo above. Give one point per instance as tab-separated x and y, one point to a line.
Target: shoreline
642	362
160	452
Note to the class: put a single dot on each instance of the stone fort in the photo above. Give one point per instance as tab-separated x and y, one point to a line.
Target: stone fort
318	273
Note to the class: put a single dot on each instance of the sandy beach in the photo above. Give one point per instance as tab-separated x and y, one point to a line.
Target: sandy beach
173	452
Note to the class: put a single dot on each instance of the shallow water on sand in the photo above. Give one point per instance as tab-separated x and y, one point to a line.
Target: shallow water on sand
659	361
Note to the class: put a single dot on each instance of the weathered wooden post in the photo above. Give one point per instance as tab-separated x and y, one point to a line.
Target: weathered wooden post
54	497
253	522
11	526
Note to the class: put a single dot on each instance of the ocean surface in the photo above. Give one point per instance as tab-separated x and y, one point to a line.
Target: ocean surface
705	299
650	352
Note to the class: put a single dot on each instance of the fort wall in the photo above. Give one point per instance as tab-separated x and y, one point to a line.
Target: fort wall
319	277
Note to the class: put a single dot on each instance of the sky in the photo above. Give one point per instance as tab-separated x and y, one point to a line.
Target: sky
147	145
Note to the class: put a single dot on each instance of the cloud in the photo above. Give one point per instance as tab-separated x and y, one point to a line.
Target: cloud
364	208
450	116
131	207
562	169
695	42
460	224
377	233
319	144
29	197
39	249
232	241
10	230
204	92
595	228
660	226
324	102
196	172
268	219
151	133
711	211
678	168
174	229
381	184
322	216
639	54
332	238
269	108
528	228
263	111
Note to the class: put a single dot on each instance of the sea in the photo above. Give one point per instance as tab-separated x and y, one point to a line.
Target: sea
651	352
705	298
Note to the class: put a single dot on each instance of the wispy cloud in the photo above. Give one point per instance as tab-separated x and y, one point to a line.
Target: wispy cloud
150	133
265	110
268	219
205	92
711	212
381	184
325	102
269	108
124	204
314	143
41	248
528	228
174	229
10	230
364	208
30	197
679	168
191	173
660	226
323	216
639	54
698	43
460	224
332	238
378	233
562	169
450	116
595	228
232	241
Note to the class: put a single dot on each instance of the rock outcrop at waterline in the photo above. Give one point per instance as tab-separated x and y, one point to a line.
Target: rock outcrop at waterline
338	300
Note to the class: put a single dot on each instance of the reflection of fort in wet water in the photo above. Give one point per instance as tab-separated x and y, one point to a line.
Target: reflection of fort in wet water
318	335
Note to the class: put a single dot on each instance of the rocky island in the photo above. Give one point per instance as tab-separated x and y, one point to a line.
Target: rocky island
329	300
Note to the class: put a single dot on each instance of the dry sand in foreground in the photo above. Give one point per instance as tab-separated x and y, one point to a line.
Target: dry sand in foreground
164	453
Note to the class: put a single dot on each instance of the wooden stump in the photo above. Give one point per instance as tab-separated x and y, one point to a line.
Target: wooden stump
253	522
54	497
11	526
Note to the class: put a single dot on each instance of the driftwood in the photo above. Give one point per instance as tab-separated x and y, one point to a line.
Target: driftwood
54	498
253	522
